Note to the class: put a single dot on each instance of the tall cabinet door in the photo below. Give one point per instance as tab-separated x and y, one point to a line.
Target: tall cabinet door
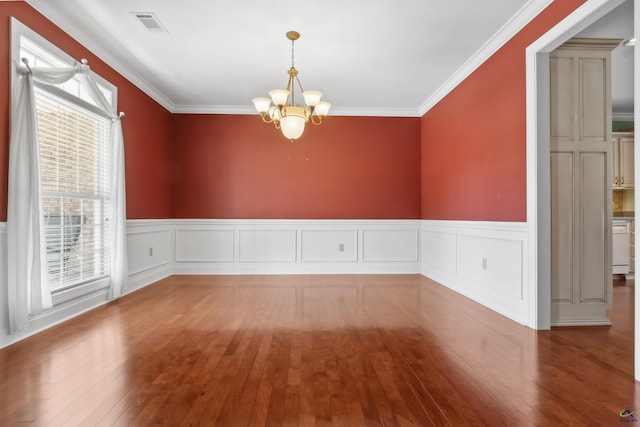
625	145
581	167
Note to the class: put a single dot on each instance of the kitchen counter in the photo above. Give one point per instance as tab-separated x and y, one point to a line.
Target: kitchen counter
628	215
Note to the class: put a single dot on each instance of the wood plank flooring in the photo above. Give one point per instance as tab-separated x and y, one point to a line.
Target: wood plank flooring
316	351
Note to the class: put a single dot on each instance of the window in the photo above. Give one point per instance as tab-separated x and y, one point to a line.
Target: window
75	168
73	165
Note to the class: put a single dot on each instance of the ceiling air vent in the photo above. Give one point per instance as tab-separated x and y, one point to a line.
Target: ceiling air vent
149	21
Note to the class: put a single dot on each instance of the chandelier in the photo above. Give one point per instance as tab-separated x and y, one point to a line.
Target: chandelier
285	114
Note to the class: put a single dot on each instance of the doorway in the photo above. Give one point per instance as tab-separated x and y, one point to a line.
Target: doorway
538	163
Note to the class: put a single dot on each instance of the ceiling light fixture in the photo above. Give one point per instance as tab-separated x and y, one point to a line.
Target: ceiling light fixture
285	114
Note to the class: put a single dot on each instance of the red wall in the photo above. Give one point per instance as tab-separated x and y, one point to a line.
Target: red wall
230	166
146	125
464	160
474	140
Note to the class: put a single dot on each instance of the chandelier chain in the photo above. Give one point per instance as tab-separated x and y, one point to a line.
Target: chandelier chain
292	63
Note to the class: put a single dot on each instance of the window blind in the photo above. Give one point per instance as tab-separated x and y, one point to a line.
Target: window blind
75	170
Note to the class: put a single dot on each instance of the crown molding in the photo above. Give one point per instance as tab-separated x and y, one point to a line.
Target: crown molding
502	36
86	39
375	112
530	10
214	109
250	110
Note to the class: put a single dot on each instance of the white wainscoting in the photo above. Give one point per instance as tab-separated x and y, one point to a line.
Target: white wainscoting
149	257
485	261
4	289
149	244
296	246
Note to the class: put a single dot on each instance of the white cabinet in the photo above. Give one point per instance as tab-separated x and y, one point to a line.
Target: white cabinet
620	247
622	146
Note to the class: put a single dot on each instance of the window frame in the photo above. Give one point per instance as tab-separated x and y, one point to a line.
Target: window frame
18	31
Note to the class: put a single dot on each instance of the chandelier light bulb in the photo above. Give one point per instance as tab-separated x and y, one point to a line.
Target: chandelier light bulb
262	104
322	109
279	96
312	97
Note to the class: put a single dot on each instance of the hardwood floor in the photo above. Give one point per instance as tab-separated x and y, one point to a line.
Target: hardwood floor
316	350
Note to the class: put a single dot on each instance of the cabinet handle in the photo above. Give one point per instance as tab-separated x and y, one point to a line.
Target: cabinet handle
615	180
622	180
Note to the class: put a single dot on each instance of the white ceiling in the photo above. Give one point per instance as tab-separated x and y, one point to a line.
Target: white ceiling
369	57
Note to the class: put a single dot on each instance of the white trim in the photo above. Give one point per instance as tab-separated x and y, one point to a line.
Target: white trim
529	11
18	29
375	112
335	112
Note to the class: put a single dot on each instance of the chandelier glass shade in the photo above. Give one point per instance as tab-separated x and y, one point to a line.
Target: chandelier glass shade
285	114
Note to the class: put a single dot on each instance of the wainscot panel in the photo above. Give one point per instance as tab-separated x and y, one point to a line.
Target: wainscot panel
390	245
439	251
298	246
329	245
268	245
202	245
4	307
149	244
494	263
484	261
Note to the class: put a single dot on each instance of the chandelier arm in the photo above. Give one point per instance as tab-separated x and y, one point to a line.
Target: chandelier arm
315	119
266	118
299	84
289	83
293	91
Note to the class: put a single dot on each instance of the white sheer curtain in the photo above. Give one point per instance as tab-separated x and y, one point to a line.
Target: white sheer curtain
29	292
118	214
